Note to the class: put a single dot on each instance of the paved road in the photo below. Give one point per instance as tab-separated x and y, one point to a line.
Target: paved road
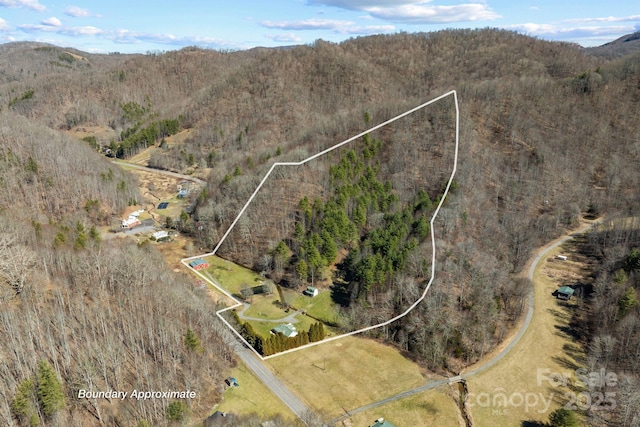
525	325
261	370
161	172
268	378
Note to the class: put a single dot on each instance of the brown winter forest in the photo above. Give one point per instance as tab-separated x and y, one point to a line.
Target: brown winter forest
548	133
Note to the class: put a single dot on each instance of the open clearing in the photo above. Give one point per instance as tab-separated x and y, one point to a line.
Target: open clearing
546	348
252	396
346	373
230	275
431	408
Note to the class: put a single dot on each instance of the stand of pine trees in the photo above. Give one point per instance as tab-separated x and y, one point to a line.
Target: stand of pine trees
277	343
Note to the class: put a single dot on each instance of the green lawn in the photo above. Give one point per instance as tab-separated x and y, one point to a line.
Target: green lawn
430	408
264	328
346	374
251	396
265	307
321	306
232	276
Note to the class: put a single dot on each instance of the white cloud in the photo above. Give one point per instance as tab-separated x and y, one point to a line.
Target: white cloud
424	13
362	4
3	25
585	35
284	38
77	12
370	29
29	4
53	22
338	27
308	24
121	36
534	8
68	31
415	11
631	18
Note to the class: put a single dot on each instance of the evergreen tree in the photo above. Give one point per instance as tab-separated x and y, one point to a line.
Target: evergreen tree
23	404
302	270
49	390
176	410
94	234
192	341
563	418
329	248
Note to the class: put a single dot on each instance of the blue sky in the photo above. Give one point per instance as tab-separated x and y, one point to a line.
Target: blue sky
139	26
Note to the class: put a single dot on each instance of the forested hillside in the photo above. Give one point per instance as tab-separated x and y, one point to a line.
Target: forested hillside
548	133
82	313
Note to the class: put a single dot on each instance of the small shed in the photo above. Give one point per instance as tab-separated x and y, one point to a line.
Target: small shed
198	264
286	329
231	382
562	257
565	292
311	291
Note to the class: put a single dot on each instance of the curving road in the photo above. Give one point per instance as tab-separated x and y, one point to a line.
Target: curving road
525	325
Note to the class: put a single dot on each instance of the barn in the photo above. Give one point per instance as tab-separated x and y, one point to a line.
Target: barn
198	264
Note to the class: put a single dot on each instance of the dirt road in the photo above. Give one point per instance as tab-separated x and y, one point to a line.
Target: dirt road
161	172
486	364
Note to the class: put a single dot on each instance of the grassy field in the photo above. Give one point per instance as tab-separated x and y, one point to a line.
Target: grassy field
347	373
265	307
430	408
232	276
321	306
251	396
522	376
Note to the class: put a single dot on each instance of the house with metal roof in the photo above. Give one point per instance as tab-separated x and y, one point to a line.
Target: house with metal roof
311	291
198	264
565	292
286	329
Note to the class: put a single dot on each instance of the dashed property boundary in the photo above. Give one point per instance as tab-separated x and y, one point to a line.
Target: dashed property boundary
302	162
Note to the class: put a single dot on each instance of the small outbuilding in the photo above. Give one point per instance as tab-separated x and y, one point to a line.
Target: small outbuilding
565	292
198	264
311	291
562	257
231	382
286	329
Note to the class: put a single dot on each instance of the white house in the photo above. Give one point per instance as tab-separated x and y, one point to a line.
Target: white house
160	235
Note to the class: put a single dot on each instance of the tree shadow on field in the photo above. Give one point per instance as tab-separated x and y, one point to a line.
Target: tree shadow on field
429	407
340	294
566	362
575	352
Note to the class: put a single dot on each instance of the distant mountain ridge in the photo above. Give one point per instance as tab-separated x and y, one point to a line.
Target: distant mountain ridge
622	46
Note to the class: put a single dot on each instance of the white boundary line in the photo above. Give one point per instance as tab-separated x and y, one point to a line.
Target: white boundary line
433	241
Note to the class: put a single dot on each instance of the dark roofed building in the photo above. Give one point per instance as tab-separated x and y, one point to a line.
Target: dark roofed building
565	292
198	264
218	419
